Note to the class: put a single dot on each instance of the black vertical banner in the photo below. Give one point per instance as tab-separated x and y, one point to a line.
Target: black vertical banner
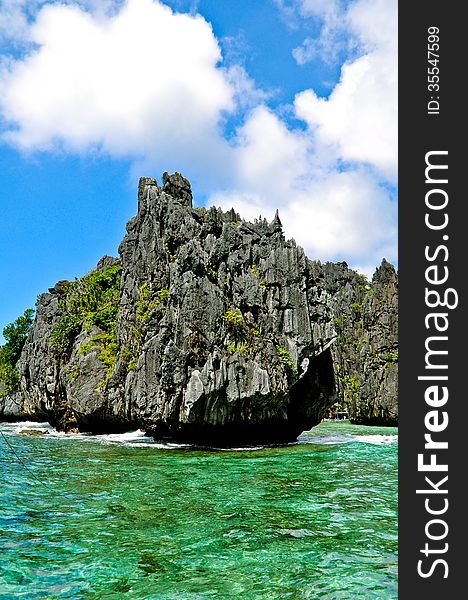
433	476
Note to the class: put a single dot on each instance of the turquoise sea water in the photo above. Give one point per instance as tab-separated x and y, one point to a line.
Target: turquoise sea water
120	517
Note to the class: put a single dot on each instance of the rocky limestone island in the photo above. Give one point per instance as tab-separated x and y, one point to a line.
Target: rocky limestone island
209	329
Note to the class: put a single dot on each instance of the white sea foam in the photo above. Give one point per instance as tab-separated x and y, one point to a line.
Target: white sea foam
20	426
135	438
129	439
241	448
378	440
138	438
348	438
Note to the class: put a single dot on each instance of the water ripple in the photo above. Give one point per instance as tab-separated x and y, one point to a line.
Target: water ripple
122	517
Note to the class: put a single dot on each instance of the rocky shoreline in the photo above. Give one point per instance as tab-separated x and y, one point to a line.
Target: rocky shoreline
209	329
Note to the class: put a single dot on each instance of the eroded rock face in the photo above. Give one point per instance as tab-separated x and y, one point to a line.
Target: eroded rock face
365	354
225	333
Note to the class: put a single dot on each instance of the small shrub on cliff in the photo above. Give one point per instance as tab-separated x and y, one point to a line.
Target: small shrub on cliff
212	275
285	357
142	305
240	349
108	355
233	317
254	331
349	388
357	308
129	356
163	295
15	335
90	301
391	357
169	248
365	285
65	332
145	305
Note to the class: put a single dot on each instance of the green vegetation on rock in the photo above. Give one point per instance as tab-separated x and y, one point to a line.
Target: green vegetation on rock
169	251
91	301
349	386
234	317
391	357
285	357
240	349
146	305
148	302
15	335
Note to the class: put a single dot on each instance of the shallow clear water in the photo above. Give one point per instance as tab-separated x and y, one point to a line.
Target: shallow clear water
117	516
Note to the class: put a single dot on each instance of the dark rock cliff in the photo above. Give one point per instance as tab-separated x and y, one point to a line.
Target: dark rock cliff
209	329
365	354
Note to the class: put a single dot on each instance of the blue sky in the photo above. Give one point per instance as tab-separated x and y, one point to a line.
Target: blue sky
287	104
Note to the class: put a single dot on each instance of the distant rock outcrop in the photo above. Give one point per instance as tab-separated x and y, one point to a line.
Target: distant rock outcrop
365	354
209	329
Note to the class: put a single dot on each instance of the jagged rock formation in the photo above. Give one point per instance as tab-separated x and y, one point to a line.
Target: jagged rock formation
365	355
208	329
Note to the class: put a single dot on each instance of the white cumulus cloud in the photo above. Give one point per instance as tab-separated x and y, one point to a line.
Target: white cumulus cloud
360	115
127	83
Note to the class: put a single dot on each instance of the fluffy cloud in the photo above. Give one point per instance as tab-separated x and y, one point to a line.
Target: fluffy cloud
14	19
328	44
16	15
134	79
127	83
360	116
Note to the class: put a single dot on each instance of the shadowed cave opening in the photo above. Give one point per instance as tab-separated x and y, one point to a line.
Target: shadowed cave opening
308	400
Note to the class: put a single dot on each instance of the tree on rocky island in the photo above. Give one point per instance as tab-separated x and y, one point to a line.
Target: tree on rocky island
15	335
